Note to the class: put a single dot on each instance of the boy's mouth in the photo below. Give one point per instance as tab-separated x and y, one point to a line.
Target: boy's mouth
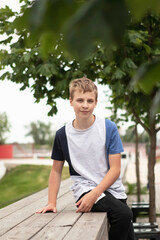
84	111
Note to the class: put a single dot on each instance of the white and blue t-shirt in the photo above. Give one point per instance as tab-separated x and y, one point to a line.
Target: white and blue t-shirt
86	152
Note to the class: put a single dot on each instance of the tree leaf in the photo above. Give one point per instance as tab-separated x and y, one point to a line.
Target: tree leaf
118	74
128	64
96	21
147	76
139	8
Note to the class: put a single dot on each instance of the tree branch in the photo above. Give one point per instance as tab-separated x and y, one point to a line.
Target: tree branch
158	129
139	120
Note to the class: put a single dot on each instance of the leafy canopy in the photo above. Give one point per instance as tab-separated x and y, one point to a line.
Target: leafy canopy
58	40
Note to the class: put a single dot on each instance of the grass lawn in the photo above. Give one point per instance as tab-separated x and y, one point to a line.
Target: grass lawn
24	180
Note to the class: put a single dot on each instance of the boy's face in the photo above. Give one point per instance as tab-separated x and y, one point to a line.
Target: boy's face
83	103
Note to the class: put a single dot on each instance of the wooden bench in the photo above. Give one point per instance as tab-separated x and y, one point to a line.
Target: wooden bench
19	221
147	233
145	225
144	230
139	207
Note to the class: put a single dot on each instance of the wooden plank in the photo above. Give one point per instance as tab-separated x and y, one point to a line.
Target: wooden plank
90	226
27	227
52	233
67	217
20	215
21	203
32	198
59	226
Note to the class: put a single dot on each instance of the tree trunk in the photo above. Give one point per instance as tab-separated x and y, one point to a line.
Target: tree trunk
151	176
137	165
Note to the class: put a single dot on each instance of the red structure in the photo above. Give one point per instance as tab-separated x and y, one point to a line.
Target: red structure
6	151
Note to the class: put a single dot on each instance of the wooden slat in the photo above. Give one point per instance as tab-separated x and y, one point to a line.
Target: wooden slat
21	222
21	214
32	198
52	233
59	226
90	226
67	217
33	223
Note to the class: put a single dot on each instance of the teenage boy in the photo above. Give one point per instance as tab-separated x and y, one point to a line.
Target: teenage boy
92	148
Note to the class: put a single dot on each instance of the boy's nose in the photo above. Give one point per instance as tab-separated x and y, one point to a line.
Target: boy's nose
85	104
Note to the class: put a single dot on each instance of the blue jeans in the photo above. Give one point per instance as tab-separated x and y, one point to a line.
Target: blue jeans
119	215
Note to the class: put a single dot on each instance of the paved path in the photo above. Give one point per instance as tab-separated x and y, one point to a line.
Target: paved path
131	175
7	163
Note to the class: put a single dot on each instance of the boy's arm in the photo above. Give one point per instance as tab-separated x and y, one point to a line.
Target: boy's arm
53	187
85	203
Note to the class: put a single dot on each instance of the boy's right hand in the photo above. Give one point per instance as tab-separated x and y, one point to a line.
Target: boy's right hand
48	208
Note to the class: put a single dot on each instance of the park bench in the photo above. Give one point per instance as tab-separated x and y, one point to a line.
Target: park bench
139	207
19	220
144	230
145	225
147	233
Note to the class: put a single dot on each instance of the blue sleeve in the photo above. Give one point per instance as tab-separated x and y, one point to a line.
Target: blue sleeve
113	140
115	144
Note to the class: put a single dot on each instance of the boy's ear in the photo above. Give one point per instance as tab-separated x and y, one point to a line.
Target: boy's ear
70	100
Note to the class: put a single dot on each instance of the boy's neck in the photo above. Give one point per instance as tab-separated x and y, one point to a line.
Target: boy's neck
82	124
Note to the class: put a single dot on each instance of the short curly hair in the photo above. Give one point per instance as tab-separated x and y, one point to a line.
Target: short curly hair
83	84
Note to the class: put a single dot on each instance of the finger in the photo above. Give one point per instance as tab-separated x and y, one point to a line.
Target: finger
55	210
79	202
80	208
39	210
44	210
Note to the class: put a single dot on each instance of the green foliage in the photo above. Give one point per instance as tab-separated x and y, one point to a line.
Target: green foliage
4	127
50	33
41	133
129	136
140	8
47	77
26	180
139	46
95	22
76	20
132	189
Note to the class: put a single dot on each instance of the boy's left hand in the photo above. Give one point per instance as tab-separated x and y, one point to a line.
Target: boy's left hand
85	204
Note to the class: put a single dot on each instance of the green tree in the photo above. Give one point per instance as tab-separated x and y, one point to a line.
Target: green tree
41	133
45	41
47	77
4	127
129	135
139	46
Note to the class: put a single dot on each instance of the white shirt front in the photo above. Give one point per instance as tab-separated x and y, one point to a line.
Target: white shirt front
87	150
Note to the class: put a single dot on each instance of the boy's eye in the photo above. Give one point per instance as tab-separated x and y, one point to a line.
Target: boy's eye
90	101
79	100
